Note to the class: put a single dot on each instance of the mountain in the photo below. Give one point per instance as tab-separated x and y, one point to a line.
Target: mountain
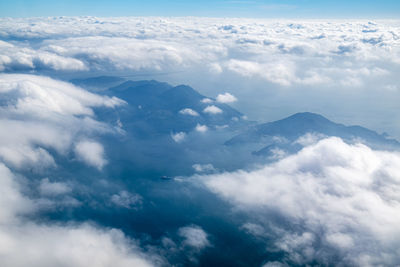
284	134
156	108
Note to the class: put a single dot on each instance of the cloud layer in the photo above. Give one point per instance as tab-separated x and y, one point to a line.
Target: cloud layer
338	201
39	117
281	52
301	64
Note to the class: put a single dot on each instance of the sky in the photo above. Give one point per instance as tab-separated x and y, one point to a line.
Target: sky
206	8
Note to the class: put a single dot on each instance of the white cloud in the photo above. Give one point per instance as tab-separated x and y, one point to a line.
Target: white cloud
309	139
42	113
194	236
42	96
24	243
203	167
201	128
76	246
91	153
226	98
206	100
178	137
282	52
189	111
21	58
12	203
48	188
126	200
343	194
212	110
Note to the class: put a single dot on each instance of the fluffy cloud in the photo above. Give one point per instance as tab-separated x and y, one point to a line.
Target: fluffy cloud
226	98
178	137
313	53
126	200
48	188
206	100
21	58
212	110
189	111
194	236
42	113
25	243
343	198
91	153
201	128
203	167
81	245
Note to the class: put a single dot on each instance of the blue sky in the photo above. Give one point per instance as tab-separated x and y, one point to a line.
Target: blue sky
208	8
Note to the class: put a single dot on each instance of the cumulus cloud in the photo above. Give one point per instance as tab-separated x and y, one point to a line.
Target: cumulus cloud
194	236
126	200
25	243
189	111
226	98
91	153
178	137
48	188
343	197
212	110
201	128
80	245
21	58
203	167
206	100
12	202
42	113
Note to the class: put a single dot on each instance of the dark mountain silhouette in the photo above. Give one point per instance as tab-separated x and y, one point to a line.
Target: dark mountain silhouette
155	108
283	133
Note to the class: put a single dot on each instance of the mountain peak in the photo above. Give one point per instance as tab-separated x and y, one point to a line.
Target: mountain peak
307	116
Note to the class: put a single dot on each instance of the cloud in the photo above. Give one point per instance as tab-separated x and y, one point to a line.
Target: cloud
189	111
194	236
226	98
14	58
284	53
203	167
206	100
126	200
212	110
81	245
91	153
201	128
25	243
41	114
12	203
178	137
48	188
342	196
309	139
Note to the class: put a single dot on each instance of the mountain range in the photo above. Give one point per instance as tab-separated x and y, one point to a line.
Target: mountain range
156	111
